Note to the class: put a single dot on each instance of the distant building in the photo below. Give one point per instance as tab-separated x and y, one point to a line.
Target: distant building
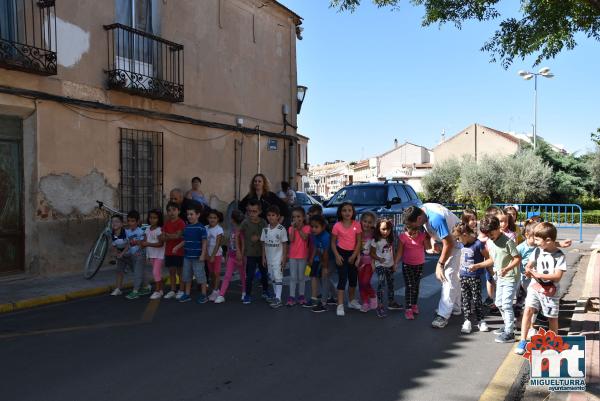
408	162
477	140
326	179
365	170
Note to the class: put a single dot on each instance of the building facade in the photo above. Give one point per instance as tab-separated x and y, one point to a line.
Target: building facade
475	141
122	100
326	179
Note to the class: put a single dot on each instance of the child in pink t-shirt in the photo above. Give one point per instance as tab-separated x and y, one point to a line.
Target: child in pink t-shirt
298	235
346	238
411	251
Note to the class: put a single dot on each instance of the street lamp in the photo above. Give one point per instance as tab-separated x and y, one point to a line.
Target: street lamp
526	75
300	93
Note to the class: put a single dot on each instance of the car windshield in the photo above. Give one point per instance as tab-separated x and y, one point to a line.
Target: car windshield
302	199
360	196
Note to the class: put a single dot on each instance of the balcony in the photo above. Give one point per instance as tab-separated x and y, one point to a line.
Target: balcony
28	36
143	64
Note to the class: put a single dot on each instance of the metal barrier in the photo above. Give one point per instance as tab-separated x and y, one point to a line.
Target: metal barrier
568	215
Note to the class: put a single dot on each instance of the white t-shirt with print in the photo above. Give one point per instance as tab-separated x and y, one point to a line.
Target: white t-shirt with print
547	263
211	240
385	250
152	237
273	238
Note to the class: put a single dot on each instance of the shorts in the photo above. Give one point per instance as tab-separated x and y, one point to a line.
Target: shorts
127	262
275	273
193	267
548	306
173	261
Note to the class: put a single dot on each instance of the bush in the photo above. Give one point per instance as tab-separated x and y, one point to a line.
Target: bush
441	183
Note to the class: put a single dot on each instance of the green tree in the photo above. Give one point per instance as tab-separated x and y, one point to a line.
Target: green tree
481	181
571	175
526	178
441	183
544	28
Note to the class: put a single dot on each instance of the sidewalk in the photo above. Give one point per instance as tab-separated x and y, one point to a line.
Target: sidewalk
18	293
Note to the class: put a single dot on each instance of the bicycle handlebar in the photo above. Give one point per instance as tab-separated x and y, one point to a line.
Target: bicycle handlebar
101	205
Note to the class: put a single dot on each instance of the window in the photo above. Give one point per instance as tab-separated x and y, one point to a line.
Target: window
141	155
411	192
401	193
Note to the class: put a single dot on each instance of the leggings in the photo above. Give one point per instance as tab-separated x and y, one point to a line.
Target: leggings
412	280
385	275
297	267
157	265
364	283
233	265
470	289
347	272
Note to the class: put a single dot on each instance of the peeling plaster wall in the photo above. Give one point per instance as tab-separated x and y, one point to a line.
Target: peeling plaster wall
69	195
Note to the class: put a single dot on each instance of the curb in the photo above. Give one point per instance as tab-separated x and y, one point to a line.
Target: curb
503	381
54	299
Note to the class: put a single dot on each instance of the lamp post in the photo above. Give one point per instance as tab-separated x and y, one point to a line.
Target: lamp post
301	92
526	75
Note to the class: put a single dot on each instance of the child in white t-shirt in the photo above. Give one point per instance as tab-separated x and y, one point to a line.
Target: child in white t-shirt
274	244
214	233
155	249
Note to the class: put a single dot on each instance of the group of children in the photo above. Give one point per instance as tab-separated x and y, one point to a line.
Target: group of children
511	261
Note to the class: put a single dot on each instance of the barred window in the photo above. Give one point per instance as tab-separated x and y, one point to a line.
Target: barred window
141	155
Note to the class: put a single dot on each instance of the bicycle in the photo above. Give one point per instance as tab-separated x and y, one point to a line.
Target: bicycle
96	256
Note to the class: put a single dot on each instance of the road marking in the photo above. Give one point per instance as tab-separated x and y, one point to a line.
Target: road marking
150	310
67	329
500	385
147	317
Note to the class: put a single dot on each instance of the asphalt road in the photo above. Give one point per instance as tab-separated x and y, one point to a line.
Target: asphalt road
107	348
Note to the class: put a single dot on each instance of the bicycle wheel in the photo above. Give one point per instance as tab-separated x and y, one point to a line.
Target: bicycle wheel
96	256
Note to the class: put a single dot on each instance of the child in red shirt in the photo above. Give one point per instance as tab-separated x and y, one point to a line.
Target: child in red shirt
172	235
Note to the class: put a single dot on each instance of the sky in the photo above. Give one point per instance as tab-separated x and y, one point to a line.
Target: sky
377	75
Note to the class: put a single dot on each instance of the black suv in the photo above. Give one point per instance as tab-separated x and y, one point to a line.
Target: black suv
386	197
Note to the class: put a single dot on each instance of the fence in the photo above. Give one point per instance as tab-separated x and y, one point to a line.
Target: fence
561	215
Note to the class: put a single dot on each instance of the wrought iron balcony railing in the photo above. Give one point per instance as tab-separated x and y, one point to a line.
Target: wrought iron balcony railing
28	36
144	64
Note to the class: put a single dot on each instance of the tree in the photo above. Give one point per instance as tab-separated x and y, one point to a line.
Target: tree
527	178
441	183
480	181
596	137
545	28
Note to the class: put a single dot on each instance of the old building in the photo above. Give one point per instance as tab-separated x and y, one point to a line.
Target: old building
326	179
121	100
475	141
365	170
408	162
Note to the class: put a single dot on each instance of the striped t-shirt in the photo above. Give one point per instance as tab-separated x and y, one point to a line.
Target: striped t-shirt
193	235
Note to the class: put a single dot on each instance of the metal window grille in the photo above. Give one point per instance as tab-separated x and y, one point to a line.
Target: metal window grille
28	36
141	155
144	64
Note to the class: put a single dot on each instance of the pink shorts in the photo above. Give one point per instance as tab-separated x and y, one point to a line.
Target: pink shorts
214	267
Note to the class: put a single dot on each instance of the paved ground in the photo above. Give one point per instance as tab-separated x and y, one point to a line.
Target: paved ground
105	348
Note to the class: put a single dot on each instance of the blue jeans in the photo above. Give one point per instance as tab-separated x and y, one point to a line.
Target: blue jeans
505	294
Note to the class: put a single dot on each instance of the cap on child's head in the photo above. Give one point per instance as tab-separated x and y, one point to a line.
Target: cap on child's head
531	215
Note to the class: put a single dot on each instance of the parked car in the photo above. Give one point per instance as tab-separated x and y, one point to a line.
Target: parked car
388	197
318	198
305	200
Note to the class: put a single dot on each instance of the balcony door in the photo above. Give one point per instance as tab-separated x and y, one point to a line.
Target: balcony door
135	54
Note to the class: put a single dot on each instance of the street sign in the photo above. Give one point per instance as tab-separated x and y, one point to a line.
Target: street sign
272	144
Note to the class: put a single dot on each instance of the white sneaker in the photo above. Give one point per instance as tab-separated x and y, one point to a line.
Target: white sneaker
243	295
354	304
340	310
156	295
483	326
220	299
213	295
531	332
170	295
466	327
179	295
116	292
